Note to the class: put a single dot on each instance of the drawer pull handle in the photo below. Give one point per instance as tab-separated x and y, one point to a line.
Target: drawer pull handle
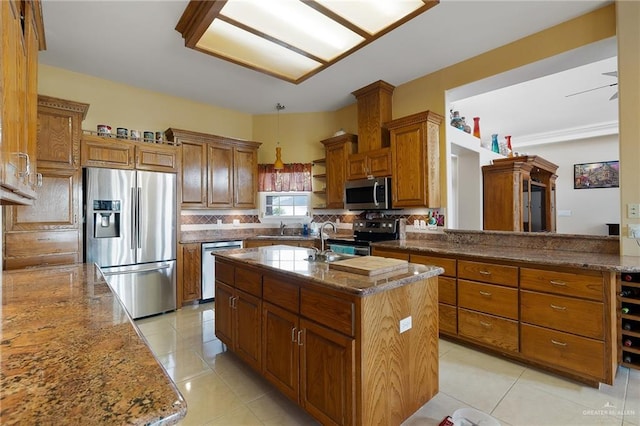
555	342
485	324
484	272
484	293
558	283
43	239
293	335
558	308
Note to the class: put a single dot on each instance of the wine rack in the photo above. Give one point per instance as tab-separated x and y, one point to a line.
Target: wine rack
629	308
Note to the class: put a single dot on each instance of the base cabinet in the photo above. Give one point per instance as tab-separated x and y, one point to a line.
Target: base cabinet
330	351
189	272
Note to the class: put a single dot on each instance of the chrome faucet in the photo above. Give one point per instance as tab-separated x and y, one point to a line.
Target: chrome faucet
322	237
282	226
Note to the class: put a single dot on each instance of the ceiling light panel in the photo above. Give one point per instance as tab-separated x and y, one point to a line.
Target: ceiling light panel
295	24
372	15
251	50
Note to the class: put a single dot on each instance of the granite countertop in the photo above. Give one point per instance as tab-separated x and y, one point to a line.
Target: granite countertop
293	261
207	236
549	256
70	354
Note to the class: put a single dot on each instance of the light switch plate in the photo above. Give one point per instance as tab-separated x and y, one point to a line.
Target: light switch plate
405	324
633	211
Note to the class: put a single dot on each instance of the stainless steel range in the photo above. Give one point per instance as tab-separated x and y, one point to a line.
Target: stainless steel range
365	232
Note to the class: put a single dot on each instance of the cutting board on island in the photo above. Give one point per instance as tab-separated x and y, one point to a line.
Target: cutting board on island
369	265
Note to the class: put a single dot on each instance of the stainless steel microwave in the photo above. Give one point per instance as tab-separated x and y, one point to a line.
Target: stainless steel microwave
368	194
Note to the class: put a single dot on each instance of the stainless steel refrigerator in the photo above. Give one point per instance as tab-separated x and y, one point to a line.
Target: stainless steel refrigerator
130	232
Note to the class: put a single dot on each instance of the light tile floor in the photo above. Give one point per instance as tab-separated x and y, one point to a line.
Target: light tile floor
220	390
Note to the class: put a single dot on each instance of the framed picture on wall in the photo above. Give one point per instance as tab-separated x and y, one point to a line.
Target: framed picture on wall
605	174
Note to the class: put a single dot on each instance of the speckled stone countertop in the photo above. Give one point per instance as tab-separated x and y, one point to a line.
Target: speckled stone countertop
587	252
293	261
69	354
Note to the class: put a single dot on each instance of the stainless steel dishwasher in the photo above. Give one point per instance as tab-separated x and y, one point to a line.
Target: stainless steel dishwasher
209	266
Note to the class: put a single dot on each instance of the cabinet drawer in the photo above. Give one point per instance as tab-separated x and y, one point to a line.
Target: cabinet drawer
249	280
447	290
449	265
281	293
448	318
585	356
488	272
488	298
330	311
224	272
41	261
29	244
562	283
576	316
390	253
498	332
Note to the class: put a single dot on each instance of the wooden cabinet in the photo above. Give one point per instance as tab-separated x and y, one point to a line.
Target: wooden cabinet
100	151
22	37
190	272
629	325
560	319
310	350
415	151
565	321
376	163
447	290
49	232
238	314
519	195
488	305
217	172
337	149
374	109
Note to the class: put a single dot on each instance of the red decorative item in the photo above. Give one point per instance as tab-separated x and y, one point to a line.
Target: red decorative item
509	149
476	127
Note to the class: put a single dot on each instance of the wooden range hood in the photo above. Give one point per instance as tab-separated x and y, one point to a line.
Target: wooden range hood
374	109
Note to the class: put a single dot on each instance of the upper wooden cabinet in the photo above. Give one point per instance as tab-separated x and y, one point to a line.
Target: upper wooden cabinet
415	151
374	109
21	39
519	195
49	232
217	172
375	163
100	151
59	124
338	149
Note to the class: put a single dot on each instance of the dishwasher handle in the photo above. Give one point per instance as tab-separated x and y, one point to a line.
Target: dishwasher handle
222	245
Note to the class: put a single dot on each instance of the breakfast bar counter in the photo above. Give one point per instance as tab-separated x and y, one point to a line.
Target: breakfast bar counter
70	354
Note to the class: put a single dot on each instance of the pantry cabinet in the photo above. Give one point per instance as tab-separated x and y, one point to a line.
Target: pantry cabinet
217	172
21	39
49	232
337	150
415	152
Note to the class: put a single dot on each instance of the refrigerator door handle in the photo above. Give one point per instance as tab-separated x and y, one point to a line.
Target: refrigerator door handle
133	219
138	217
136	271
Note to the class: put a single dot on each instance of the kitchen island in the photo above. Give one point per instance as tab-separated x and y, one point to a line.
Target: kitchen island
70	354
350	349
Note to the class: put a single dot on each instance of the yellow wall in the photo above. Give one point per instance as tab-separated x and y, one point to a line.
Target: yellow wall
628	14
119	105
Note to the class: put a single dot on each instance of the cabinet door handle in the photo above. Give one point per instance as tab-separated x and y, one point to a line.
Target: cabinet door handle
300	334
555	342
558	308
293	335
485	293
484	272
558	283
485	324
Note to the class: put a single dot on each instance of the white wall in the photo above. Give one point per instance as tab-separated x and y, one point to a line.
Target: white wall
590	209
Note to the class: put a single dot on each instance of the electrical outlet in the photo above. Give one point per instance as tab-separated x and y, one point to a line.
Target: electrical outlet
634	230
633	211
405	324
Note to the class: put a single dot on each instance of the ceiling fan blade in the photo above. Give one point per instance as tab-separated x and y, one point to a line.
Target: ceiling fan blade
591	90
615	96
